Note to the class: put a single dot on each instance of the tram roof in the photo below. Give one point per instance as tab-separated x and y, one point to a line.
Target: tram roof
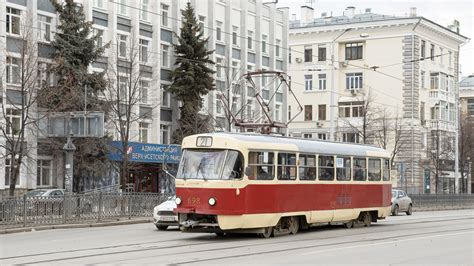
306	145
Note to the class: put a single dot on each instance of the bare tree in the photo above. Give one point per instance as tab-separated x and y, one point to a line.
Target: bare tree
466	149
19	109
388	133
127	97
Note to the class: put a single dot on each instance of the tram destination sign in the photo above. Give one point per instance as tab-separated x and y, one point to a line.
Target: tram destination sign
146	152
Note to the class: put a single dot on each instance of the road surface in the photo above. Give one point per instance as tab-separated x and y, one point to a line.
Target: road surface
443	237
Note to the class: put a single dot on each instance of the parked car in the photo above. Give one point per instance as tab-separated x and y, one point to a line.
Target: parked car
53	193
401	202
163	215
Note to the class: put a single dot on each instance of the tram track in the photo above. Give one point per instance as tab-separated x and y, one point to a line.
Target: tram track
135	247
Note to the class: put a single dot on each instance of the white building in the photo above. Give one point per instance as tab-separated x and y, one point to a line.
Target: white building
404	68
246	36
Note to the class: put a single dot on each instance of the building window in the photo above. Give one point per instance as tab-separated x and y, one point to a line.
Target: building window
353	51
322	136
307	135
13	21
45	76
422	113
450	59
249	110
235	70
144	131
264	43
43	173
218	107
278	112
235	35
422	79
470	106
308	82
321	53
143	51
218	31
219	67
99	3
123	39
250	40
13	121
164	15
277	47
7	173
434	81
322	112
13	70
44	27
423	49
123	90
165	97
322	82
308	54
350	137
165	134
201	23
100	37
123	7
144	10
308	113
353	81
441	55
165	55
351	109
432	52
144	85
289	112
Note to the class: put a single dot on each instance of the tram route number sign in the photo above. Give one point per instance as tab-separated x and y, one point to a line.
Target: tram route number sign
339	162
204	142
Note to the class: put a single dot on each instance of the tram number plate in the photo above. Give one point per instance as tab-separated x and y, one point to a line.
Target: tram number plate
204	142
194	200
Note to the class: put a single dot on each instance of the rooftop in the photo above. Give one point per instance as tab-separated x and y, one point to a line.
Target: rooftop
339	20
467	81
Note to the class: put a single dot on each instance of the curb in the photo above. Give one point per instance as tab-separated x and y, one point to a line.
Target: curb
72	226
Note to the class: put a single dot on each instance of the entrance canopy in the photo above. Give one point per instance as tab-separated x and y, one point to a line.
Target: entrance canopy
146	152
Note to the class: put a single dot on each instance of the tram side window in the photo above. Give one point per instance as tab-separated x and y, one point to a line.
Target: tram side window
386	170
360	168
286	166
261	165
326	167
233	165
307	167
343	168
375	170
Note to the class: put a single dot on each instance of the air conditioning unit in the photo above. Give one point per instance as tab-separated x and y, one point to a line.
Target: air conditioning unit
353	91
319	124
298	60
345	63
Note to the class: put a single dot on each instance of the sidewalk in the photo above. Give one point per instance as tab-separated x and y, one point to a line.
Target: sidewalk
122	221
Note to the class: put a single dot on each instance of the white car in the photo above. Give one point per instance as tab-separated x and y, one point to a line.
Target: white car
163	215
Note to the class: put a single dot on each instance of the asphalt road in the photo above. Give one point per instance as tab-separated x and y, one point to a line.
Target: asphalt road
442	237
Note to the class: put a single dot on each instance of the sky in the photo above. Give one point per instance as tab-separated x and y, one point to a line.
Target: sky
442	12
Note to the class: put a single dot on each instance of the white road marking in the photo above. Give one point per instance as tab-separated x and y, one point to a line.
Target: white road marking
386	242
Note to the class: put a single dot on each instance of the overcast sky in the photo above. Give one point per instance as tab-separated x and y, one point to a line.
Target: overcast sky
442	12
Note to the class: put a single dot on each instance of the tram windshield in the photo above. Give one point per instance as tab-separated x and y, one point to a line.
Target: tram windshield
210	164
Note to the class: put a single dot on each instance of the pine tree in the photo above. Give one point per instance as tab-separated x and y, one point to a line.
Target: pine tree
75	50
192	78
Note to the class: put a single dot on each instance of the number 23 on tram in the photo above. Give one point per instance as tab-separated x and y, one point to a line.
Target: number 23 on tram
269	185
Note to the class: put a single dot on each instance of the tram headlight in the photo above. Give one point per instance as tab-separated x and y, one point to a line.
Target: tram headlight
177	200
212	201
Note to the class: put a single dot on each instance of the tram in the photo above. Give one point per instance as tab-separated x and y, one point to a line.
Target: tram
270	185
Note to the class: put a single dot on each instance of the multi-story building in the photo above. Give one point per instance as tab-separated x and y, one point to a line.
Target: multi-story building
466	96
385	80
245	36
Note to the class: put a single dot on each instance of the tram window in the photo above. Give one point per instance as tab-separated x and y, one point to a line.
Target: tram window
386	170
307	167
360	168
261	165
326	167
343	168
375	169
233	165
286	166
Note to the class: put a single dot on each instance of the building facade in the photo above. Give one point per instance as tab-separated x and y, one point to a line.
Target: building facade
466	96
383	80
245	36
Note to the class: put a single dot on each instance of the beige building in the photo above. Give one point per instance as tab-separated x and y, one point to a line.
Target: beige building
466	96
384	80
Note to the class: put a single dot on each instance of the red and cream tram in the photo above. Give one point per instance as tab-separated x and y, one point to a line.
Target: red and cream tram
246	183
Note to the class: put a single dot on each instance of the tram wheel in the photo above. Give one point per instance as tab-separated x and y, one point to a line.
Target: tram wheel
367	220
293	225
349	224
267	232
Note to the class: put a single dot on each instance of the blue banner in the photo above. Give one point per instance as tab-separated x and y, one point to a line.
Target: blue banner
146	152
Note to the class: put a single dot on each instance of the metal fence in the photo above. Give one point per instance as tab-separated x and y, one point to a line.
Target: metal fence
79	208
426	202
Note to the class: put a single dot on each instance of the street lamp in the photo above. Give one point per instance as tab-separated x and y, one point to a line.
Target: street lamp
331	103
